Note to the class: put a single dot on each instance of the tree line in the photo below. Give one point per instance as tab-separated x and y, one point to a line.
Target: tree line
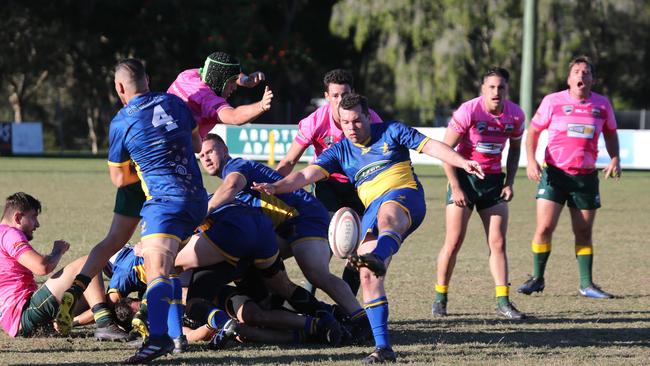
415	59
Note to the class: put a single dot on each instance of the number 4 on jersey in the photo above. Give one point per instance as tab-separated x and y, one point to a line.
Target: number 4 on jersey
160	117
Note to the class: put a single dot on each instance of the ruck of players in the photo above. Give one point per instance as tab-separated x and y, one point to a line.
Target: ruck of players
209	268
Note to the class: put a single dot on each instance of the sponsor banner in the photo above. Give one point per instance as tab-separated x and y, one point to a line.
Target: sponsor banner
252	142
21	138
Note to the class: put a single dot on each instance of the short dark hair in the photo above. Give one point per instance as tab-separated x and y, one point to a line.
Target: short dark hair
582	59
214	137
352	100
21	202
338	76
219	68
134	67
124	313
496	71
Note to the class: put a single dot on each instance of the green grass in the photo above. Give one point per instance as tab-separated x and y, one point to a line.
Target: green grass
565	329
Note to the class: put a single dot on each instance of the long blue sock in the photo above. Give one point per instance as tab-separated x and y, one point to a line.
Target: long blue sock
176	309
377	311
159	292
217	318
388	244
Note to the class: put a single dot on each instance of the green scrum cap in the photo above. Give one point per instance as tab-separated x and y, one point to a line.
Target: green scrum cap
219	68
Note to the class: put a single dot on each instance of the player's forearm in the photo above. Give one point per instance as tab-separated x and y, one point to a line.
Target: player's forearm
512	164
50	261
444	153
242	114
612	145
297	180
532	139
452	177
221	197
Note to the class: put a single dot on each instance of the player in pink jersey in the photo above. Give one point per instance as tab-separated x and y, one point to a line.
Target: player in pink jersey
479	130
207	89
322	129
574	119
24	307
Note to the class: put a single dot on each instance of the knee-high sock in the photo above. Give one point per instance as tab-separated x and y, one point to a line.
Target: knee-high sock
541	252
377	311
502	294
585	258
441	292
176	309
388	244
159	293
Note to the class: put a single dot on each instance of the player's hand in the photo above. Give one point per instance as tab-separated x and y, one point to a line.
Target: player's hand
251	80
613	169
458	196
265	103
507	193
263	187
474	167
60	247
533	171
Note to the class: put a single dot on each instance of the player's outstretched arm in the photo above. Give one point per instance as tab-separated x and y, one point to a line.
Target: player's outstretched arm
445	153
613	169
291	158
231	185
247	113
292	182
533	170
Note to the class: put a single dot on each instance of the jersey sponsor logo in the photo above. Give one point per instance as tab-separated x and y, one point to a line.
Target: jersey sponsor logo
596	112
581	131
489	147
567	109
369	169
481	126
328	141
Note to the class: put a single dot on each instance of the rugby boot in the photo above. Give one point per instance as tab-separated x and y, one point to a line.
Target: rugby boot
64	316
380	355
595	292
224	335
439	309
328	330
370	261
181	344
111	332
151	349
510	311
533	284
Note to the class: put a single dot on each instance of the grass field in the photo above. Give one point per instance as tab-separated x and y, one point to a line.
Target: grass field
564	329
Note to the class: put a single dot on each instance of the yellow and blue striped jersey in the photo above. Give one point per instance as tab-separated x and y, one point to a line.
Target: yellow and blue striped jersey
378	165
128	273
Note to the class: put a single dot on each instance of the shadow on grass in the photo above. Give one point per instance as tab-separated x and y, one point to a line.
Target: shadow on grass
433	331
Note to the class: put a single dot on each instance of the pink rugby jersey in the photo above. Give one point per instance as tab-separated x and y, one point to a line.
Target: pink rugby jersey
573	129
320	130
202	101
484	135
16	281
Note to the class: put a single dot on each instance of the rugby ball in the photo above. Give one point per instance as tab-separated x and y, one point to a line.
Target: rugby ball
344	232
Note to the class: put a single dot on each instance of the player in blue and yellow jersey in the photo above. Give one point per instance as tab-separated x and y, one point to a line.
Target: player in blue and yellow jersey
376	160
155	132
299	219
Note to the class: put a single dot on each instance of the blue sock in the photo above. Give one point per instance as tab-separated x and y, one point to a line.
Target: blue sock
377	311
217	318
176	309
387	244
159	292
